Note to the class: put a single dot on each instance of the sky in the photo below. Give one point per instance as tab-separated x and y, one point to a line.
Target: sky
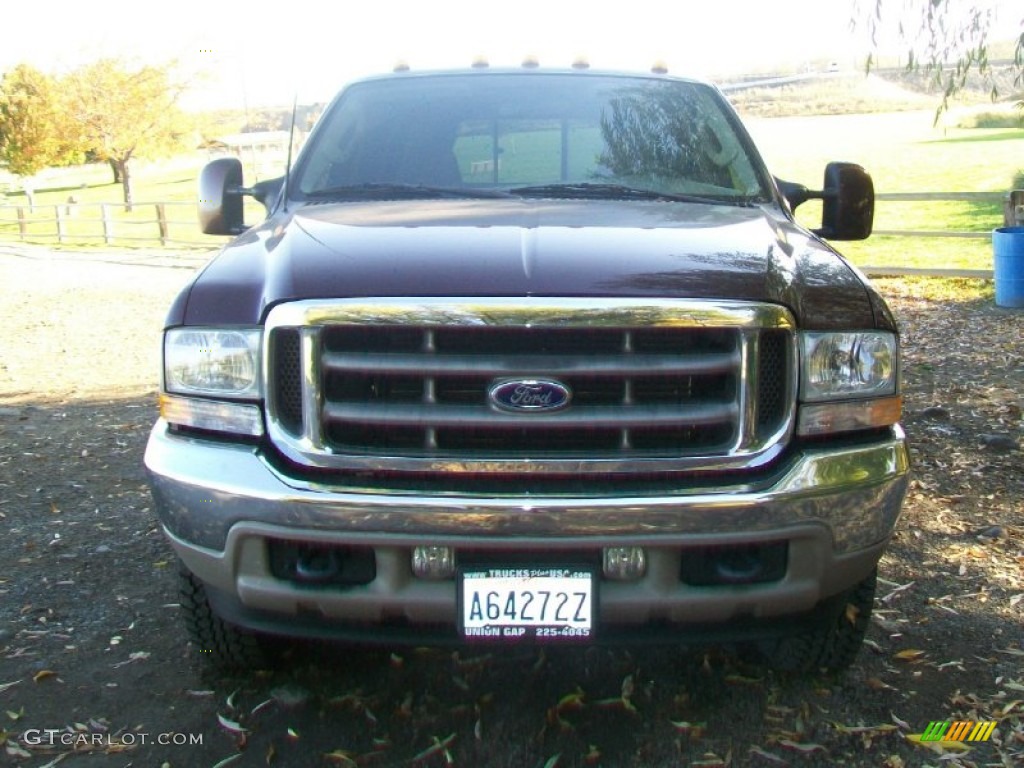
259	53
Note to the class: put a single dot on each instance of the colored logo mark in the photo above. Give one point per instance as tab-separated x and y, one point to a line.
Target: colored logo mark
959	730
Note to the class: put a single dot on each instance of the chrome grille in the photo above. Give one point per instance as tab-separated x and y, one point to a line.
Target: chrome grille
656	386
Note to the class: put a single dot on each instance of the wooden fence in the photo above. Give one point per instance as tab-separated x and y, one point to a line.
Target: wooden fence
168	223
174	223
921	197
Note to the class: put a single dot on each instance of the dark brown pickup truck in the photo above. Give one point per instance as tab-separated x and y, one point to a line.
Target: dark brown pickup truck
530	356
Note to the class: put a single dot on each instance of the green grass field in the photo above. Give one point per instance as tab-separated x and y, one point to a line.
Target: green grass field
903	151
172	182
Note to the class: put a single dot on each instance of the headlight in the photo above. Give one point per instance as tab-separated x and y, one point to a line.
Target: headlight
212	362
838	366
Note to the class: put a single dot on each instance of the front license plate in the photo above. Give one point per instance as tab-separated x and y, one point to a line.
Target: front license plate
524	603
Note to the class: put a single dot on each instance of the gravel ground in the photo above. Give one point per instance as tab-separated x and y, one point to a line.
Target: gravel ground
95	668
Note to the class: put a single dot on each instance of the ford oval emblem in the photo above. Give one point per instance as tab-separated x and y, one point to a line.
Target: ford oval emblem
529	395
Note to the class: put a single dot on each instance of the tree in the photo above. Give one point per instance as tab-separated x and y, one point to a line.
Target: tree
31	125
946	39
121	113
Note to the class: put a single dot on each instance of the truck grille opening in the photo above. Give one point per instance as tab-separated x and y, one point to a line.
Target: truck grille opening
403	390
286	363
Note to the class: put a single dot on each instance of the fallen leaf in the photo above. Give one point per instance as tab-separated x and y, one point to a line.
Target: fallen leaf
755	750
901	723
5	686
230	725
628	687
570	701
15	751
261	706
883	728
741	680
910	654
43	674
553	761
709	760
133	657
438	747
229	760
340	757
1002	713
896	592
938	747
684	727
878	685
804	749
55	760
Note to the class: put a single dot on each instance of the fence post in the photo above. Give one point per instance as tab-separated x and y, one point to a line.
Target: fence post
1013	209
22	224
60	224
108	225
161	222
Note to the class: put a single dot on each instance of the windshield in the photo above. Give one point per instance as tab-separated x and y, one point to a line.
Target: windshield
531	134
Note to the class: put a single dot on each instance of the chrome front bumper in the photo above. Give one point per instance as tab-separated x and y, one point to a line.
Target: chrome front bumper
219	503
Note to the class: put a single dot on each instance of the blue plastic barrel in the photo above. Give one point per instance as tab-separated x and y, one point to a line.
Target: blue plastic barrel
1008	249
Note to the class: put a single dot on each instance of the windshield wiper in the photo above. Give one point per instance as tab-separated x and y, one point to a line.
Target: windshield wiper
392	191
604	191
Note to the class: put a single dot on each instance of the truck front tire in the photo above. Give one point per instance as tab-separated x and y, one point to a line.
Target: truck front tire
832	644
220	644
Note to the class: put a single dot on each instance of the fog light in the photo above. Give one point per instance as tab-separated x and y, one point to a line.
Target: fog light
433	562
624	563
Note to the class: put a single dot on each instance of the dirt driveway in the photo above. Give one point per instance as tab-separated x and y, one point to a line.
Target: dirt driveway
95	669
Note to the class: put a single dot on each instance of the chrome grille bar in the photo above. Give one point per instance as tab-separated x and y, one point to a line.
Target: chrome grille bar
451	365
576	418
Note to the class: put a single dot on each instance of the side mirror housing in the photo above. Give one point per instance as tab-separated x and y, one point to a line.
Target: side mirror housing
220	197
848	203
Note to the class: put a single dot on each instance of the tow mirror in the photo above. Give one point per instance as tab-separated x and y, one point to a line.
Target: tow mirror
220	197
848	207
848	201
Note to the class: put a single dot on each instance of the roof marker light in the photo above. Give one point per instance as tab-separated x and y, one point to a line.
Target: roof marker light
401	66
660	68
480	62
531	62
580	62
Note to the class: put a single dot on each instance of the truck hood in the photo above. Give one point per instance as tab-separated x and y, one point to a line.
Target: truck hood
511	247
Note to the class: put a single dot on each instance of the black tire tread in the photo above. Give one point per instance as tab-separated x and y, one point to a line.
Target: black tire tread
221	644
832	646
